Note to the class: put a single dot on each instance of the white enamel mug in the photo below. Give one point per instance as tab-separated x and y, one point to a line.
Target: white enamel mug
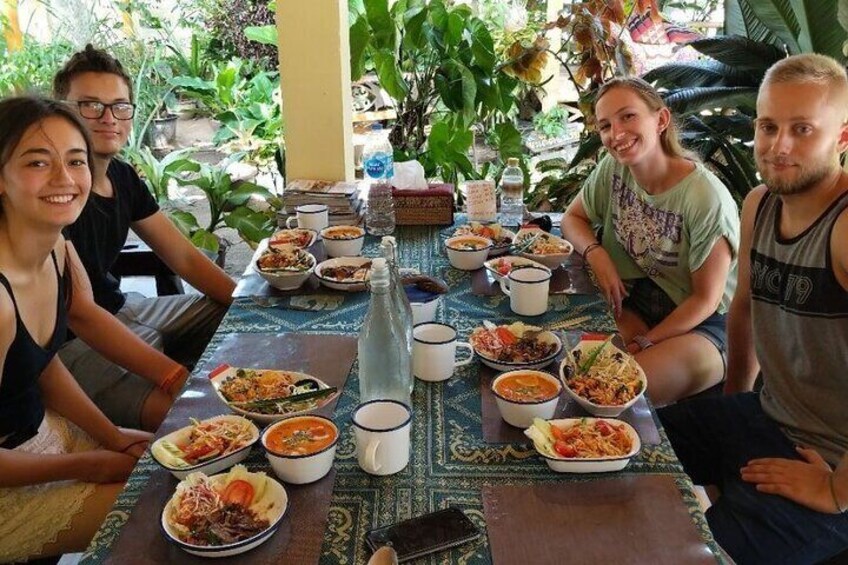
527	289
310	216
381	430
434	351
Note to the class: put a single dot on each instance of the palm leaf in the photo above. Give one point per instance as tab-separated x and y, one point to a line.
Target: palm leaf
739	19
689	100
741	53
698	73
820	31
779	17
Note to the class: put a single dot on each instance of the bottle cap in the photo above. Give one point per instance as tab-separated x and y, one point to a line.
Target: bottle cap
377	127
512	162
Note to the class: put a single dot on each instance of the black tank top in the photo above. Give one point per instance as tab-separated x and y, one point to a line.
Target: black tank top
21	408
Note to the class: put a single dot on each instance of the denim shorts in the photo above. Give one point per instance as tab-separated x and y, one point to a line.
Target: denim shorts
714	438
653	305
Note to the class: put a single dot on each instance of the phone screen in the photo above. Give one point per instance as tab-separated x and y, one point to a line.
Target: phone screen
425	534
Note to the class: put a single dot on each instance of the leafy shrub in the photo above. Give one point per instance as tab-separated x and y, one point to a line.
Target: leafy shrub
226	22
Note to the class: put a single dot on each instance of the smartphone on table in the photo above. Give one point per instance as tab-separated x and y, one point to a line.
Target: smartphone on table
425	534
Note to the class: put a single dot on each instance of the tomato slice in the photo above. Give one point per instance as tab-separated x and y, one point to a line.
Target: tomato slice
238	492
565	449
556	432
506	336
604	428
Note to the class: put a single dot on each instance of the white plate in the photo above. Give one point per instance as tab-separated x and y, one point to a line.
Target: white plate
348	286
211	466
512	260
281	280
274	516
512	366
596	465
551	261
313	233
591	407
218	375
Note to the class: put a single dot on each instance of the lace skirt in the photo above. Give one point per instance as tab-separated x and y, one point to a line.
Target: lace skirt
32	516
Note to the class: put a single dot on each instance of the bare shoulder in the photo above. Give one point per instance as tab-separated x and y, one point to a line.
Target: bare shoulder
838	250
8	326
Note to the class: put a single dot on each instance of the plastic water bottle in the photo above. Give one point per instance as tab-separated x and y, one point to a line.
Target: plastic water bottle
512	194
379	167
385	362
388	249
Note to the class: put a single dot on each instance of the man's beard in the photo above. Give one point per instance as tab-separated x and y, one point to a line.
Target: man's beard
809	177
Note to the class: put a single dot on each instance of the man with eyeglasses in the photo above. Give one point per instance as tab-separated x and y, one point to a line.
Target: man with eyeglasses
96	84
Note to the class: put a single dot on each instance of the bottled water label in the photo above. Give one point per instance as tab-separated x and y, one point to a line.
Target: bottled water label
379	166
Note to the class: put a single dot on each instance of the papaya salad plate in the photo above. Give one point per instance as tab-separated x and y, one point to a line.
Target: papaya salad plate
268	395
209	445
225	514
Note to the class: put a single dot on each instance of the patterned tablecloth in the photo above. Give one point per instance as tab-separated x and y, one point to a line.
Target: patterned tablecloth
450	460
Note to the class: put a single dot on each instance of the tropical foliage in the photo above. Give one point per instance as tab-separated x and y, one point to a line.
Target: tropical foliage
437	62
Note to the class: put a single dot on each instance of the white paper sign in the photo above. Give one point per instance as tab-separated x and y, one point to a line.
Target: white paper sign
480	201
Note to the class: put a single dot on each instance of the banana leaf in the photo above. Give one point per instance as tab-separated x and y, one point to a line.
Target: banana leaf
740	53
690	100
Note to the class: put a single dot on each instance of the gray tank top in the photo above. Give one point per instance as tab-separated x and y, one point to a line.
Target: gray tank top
800	321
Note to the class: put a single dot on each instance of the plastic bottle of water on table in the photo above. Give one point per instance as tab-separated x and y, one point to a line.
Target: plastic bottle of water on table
378	164
512	194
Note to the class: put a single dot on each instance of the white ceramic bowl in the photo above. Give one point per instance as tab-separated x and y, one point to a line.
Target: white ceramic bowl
468	259
282	280
345	285
218	375
521	414
211	466
280	500
497	249
512	366
513	261
278	238
595	465
424	311
551	260
605	411
301	469
343	241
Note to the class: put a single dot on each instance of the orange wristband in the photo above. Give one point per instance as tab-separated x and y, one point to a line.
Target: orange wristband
175	376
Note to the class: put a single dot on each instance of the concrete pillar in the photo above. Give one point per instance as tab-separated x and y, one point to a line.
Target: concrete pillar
315	79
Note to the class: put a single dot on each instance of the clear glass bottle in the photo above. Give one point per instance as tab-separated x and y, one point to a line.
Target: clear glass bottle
378	164
385	362
512	194
388	249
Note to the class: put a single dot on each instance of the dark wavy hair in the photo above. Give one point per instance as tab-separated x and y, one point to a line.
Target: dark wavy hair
18	114
89	60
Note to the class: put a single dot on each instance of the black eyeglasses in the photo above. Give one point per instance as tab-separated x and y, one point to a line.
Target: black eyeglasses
94	110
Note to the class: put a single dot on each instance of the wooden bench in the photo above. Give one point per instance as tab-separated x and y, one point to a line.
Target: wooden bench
138	260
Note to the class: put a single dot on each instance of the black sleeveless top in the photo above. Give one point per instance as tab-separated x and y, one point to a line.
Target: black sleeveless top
21	408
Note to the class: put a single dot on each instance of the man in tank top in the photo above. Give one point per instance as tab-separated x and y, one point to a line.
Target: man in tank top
778	457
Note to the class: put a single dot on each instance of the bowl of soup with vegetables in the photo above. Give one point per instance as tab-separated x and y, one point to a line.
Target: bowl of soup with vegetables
524	395
301	449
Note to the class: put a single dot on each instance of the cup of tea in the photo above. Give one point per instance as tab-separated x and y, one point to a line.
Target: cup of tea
310	216
434	351
381	431
527	289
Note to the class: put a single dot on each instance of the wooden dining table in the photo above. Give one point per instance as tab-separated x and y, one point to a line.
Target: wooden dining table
463	454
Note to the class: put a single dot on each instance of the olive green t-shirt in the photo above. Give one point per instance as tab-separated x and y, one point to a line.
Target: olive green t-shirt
664	237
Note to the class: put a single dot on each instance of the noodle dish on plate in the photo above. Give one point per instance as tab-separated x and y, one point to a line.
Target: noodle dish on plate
584	445
602	378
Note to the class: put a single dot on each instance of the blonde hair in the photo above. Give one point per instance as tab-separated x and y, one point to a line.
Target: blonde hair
669	138
812	68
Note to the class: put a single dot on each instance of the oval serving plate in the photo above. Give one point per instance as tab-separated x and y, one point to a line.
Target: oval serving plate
266	416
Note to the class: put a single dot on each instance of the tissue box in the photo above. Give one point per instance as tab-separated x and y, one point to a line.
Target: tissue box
433	206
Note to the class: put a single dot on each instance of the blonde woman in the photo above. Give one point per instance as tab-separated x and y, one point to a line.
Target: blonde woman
666	260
